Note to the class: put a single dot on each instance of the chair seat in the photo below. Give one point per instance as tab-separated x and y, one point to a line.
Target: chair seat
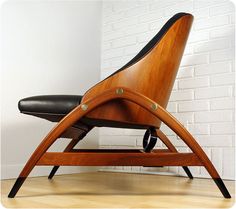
55	107
49	104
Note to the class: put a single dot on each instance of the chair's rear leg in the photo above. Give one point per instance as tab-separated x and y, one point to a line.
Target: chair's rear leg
172	148
187	171
69	147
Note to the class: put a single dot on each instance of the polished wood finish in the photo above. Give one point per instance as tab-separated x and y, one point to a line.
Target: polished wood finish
152	76
119	159
128	95
137	95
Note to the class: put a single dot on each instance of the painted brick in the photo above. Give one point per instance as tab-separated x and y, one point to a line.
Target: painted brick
198	36
232	18
133	50
165	129
211	22
217	160
229	163
124	23
156	5
213	68
111	131
130	40
203	171
136	11
222	32
111	35
201	13
157	25
198	129
187	6
119	6
145	37
172	107
224	79
113	17
193	106
185	72
112	53
141	28
118	141
213	116
222	9
220	104
134	132
223	128
213	92
193	83
184	118
197	59
106	46
118	62
181	95
201	4
188	49
152	16
214	140
221	55
212	45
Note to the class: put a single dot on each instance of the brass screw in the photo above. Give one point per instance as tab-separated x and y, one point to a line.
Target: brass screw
154	106
119	91
84	107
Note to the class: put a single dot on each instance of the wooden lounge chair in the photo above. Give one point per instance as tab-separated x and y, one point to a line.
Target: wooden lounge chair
133	97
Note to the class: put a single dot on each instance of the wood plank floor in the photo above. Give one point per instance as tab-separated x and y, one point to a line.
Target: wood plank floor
117	190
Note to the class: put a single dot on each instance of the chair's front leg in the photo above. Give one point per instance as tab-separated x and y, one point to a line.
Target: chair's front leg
75	115
53	135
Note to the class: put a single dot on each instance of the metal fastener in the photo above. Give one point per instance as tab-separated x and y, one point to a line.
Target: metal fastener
84	107
119	91
154	106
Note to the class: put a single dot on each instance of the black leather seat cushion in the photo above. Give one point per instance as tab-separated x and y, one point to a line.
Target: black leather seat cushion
49	104
55	107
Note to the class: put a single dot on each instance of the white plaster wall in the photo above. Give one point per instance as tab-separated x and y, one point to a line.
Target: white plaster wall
203	95
48	47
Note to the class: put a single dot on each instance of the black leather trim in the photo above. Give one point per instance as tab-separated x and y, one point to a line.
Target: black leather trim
150	45
49	104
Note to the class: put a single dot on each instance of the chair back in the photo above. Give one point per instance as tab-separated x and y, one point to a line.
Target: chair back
151	72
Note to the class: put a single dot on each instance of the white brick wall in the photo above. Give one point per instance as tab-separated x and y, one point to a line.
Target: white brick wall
202	98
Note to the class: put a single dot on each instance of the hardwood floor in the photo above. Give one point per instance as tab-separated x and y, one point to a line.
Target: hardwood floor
117	190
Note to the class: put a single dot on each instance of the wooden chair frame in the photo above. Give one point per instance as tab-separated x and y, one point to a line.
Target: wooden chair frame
168	157
136	94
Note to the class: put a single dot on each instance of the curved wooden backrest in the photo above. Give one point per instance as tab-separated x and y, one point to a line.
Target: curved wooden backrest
152	74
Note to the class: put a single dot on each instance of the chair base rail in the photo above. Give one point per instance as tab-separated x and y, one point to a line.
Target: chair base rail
119	158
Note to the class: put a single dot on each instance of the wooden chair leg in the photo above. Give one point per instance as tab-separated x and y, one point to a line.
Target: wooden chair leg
135	97
69	147
182	132
71	118
172	148
52	136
